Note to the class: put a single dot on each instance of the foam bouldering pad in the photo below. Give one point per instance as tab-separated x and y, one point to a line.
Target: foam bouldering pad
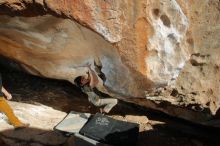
108	130
80	140
73	122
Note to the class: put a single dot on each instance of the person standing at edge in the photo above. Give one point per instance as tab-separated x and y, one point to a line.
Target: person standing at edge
7	110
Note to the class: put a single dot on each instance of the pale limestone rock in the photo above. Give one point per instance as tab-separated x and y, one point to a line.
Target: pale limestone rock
137	119
42	120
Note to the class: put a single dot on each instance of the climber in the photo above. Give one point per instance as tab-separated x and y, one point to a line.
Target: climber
91	85
6	109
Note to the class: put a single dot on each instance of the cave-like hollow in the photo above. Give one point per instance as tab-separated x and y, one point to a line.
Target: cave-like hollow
44	102
49	46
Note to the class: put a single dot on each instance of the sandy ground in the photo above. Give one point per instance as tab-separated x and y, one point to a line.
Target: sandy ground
43	103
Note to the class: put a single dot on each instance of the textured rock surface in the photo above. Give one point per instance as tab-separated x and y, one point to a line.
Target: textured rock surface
59	48
145	44
42	119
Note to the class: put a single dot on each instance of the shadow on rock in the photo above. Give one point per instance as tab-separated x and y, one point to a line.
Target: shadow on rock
32	137
178	134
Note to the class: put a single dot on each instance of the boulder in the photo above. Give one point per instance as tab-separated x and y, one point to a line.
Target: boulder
158	54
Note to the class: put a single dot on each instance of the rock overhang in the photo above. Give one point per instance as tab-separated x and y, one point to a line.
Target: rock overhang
157	46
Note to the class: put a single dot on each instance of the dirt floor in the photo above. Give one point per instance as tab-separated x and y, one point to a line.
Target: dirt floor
156	129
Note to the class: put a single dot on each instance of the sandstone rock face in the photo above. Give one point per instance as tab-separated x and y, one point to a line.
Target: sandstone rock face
168	48
60	48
